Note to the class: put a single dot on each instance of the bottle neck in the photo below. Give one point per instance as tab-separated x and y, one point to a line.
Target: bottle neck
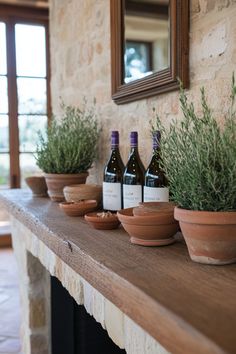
114	148
155	149
133	149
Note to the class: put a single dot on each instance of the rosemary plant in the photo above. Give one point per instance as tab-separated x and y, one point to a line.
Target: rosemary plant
71	143
199	156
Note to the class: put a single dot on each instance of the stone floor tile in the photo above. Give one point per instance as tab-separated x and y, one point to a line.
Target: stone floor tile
10	345
9	304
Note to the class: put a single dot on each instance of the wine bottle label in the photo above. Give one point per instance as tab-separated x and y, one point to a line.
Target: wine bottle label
111	196
132	195
152	194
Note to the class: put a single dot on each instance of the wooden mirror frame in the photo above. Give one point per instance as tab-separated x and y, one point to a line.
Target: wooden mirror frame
161	81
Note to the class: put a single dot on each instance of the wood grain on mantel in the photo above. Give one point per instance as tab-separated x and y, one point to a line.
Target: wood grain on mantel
189	308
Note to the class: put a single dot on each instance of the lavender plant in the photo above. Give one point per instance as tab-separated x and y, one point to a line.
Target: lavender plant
199	157
71	143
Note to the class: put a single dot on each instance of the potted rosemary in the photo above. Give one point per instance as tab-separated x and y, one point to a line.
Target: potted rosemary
199	159
68	150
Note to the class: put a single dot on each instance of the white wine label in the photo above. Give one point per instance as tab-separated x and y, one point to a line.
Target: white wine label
111	196
132	195
152	194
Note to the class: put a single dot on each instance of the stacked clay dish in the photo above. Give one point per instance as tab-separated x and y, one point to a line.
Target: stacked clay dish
150	224
79	208
77	192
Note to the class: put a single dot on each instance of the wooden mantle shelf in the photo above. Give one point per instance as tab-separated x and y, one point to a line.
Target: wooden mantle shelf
189	308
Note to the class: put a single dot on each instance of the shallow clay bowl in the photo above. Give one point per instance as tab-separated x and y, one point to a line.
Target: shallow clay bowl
154	208
100	223
38	186
77	192
149	230
78	209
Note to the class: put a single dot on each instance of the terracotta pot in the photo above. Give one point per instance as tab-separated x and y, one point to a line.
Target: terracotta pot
149	230
38	185
210	236
56	183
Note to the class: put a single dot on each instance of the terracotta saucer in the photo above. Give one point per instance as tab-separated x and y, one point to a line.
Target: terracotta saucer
141	242
102	220
78	208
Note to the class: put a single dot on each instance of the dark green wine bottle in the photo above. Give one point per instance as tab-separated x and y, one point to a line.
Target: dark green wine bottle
155	185
133	178
112	178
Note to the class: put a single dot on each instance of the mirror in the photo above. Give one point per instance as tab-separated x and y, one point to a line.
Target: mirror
146	38
149	47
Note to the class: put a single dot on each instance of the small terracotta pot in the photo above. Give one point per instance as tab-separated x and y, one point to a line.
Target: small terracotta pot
38	185
210	236
56	183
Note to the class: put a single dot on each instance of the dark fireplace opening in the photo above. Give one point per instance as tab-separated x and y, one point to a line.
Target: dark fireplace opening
74	331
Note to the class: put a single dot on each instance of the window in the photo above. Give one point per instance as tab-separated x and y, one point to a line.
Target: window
138	60
24	90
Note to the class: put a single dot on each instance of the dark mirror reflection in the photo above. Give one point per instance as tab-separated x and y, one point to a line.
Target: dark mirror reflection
147	38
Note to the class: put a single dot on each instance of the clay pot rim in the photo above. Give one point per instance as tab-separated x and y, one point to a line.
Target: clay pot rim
126	217
34	177
82	203
205	217
82	186
148	212
151	205
64	175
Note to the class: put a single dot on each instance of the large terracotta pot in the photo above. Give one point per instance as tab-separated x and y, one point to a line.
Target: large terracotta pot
56	183
210	236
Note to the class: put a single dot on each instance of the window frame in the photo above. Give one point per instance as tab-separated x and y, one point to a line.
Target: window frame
12	15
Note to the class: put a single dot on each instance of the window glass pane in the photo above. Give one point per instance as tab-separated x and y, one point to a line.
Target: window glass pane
30	50
3	95
3	61
4	133
28	128
4	171
31	96
28	167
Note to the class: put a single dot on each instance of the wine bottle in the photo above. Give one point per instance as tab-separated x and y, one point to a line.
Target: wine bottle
133	178
155	185
112	178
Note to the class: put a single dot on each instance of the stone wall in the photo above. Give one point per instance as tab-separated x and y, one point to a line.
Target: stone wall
80	65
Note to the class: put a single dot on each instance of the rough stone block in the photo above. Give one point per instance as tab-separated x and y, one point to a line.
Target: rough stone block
37	315
114	323
39	344
34	268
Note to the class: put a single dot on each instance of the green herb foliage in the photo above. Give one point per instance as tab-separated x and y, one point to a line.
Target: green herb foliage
71	143
199	156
